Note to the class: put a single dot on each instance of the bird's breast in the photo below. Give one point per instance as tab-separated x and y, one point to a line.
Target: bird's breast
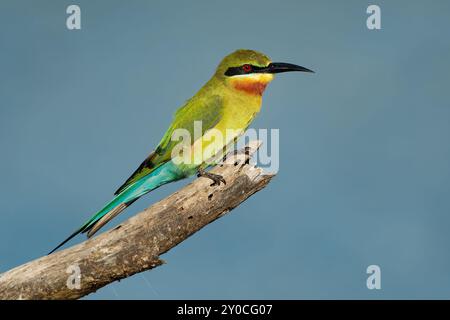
238	112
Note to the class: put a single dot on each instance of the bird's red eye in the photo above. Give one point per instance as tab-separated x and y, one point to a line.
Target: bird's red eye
247	67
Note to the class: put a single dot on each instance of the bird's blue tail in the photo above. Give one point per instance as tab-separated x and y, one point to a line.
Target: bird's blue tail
165	173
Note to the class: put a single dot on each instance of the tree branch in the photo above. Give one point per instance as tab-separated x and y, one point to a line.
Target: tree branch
136	244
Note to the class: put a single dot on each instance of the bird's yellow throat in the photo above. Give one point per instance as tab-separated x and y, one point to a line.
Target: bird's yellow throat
253	84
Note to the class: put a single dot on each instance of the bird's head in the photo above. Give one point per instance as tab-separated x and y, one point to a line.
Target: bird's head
251	71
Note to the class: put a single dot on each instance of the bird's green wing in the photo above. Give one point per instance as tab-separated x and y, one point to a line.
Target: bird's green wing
209	110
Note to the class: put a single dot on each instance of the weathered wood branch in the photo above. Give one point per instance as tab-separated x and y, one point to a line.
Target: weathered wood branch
136	244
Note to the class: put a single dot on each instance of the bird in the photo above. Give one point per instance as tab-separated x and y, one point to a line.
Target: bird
230	100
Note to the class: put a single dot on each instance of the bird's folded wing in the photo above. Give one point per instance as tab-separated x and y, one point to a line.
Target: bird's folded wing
208	110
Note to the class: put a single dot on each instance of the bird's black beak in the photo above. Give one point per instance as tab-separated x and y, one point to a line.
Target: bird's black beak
279	67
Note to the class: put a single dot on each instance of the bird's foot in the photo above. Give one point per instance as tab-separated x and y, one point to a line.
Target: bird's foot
246	159
234	153
247	156
216	178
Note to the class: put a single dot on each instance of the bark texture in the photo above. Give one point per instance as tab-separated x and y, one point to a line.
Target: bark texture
136	244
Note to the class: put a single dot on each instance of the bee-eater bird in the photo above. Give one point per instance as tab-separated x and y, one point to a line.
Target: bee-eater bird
230	100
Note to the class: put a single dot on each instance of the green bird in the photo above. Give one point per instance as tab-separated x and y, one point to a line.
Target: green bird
228	102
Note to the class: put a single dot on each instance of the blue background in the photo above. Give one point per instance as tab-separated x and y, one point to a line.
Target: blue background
364	156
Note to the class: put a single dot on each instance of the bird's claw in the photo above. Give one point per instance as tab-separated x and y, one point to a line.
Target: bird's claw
216	178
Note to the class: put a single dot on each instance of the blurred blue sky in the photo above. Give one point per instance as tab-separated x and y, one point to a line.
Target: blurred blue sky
364	154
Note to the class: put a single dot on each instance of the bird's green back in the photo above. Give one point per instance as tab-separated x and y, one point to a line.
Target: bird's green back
205	106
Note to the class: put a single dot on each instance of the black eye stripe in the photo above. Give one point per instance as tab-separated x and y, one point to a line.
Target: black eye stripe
234	71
